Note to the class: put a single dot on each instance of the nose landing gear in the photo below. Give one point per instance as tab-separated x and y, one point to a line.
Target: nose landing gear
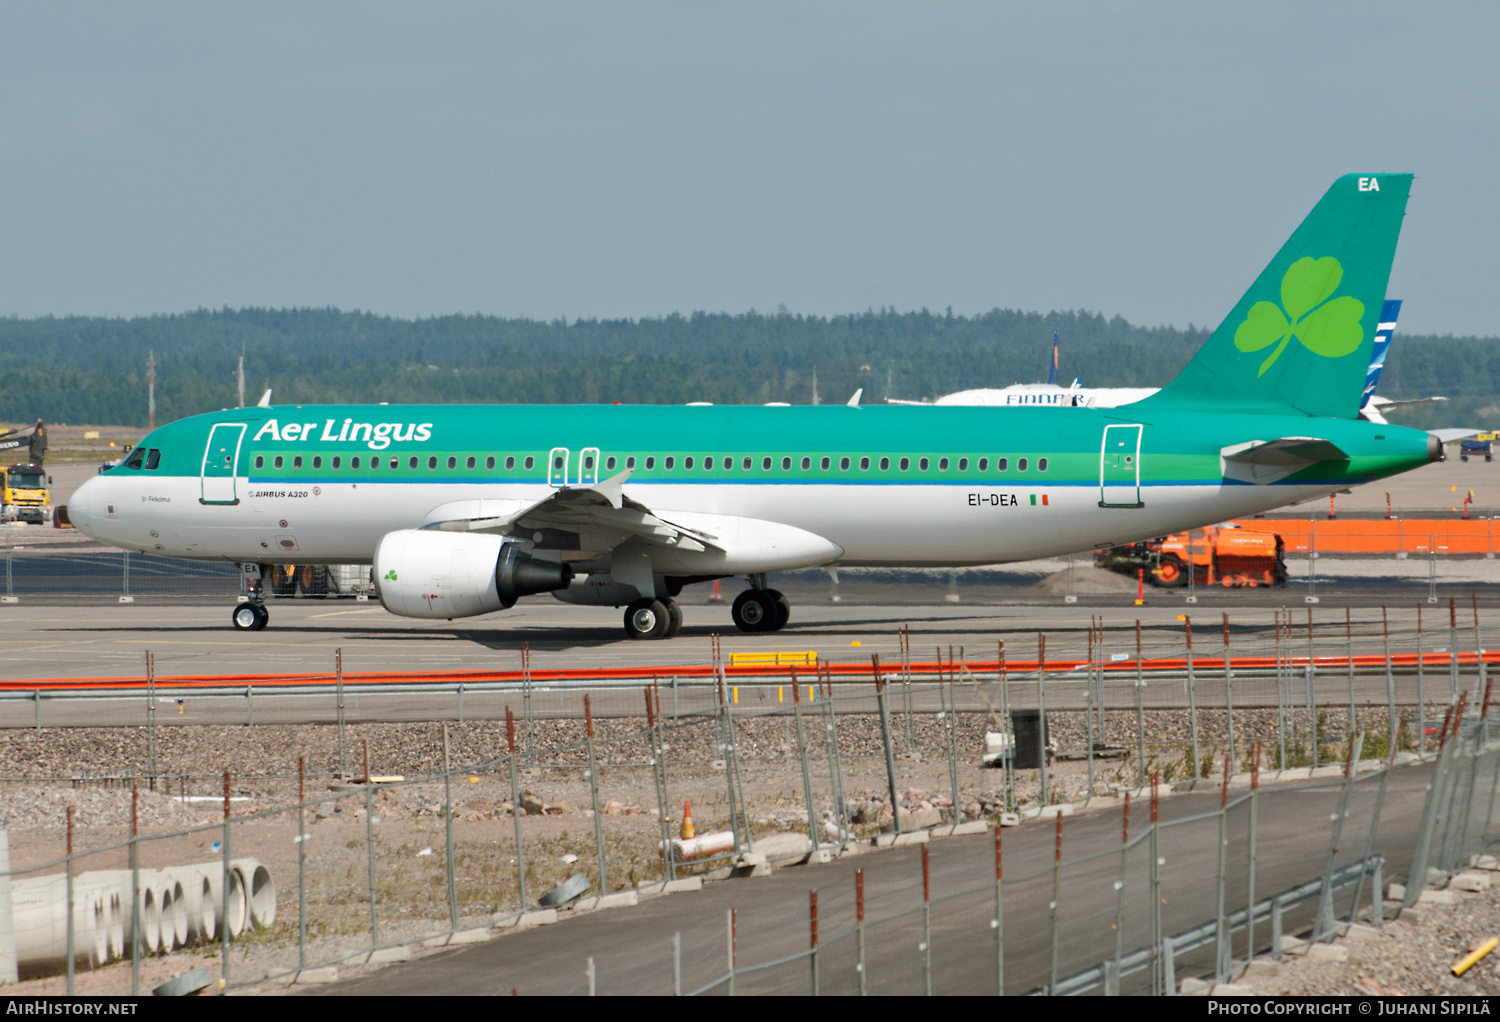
251	614
250	617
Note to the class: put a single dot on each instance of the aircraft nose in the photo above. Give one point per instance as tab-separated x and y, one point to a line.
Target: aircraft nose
86	505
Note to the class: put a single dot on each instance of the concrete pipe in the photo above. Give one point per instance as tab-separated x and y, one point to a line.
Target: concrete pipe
239	908
256	880
150	917
174	926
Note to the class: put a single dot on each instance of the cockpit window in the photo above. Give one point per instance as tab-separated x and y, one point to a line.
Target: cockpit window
153	458
136	459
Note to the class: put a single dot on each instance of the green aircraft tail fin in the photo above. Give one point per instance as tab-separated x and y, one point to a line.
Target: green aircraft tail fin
1301	337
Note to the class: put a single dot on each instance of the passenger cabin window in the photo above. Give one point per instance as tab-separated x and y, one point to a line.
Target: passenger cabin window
490	462
470	463
806	464
375	464
153	458
530	462
786	464
708	463
687	462
296	462
864	464
609	463
317	461
432	462
411	462
905	464
650	464
922	465
260	462
1001	464
728	462
452	463
824	463
885	464
510	462
337	461
354	462
984	464
1041	464
395	463
843	464
963	464
1020	464
765	464
746	463
667	463
630	461
942	464
274	464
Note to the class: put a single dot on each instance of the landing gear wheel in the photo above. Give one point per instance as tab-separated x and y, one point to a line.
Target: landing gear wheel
783	610
754	610
647	619
250	617
674	619
1170	573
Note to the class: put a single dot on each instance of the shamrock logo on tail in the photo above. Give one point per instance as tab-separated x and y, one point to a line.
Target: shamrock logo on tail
1327	328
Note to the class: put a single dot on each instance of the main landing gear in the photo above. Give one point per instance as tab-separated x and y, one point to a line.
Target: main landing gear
653	619
760	610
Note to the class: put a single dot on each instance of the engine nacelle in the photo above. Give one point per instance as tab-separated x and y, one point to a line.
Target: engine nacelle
432	574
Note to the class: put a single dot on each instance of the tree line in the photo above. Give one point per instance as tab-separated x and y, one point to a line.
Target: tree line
93	369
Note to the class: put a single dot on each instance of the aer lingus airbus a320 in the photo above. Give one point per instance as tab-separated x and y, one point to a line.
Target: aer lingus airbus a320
462	510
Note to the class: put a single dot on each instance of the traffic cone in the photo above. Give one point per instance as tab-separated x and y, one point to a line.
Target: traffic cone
688	830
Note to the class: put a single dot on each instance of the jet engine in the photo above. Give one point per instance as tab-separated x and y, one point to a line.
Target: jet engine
432	574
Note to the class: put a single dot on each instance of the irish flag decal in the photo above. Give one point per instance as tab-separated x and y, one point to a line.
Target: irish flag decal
1033	500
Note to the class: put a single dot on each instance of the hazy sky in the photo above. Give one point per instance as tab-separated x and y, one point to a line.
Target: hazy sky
628	159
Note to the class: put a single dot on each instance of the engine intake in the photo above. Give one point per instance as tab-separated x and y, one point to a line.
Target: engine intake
427	573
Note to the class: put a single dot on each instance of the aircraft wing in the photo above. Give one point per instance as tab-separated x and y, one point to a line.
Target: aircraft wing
1383	403
1265	461
599	511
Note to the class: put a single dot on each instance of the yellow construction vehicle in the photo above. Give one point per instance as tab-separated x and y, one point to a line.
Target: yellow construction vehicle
25	495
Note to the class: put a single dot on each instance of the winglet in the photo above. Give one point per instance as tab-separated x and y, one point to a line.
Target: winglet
853	402
265	399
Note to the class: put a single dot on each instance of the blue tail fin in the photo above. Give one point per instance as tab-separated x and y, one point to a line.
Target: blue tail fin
1387	326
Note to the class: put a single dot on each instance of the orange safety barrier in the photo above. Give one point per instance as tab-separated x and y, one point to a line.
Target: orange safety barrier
1380	535
852	673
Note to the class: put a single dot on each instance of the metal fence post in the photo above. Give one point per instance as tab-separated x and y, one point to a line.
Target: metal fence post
449	864
1221	925
125	577
926	925
1452	648
1056	894
338	682
812	814
1323	925
370	848
1140	707
588	722
726	743
1421	695
1041	708
1228	688
812	915
135	893
1349	655
224	892
677	964
1088	707
885	739
999	921
658	777
150	720
1158	974
1192	694
1254	822
1120	897
1276	930
69	950
835	763
951	720
301	863
1312	687
859	931
730	934
515	805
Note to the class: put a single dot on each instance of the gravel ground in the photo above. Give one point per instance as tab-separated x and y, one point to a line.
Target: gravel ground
1408	957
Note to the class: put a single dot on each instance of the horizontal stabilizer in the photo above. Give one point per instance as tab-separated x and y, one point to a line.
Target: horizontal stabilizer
1450	435
1265	461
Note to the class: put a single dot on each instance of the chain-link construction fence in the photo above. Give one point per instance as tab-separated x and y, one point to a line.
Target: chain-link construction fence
371	858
